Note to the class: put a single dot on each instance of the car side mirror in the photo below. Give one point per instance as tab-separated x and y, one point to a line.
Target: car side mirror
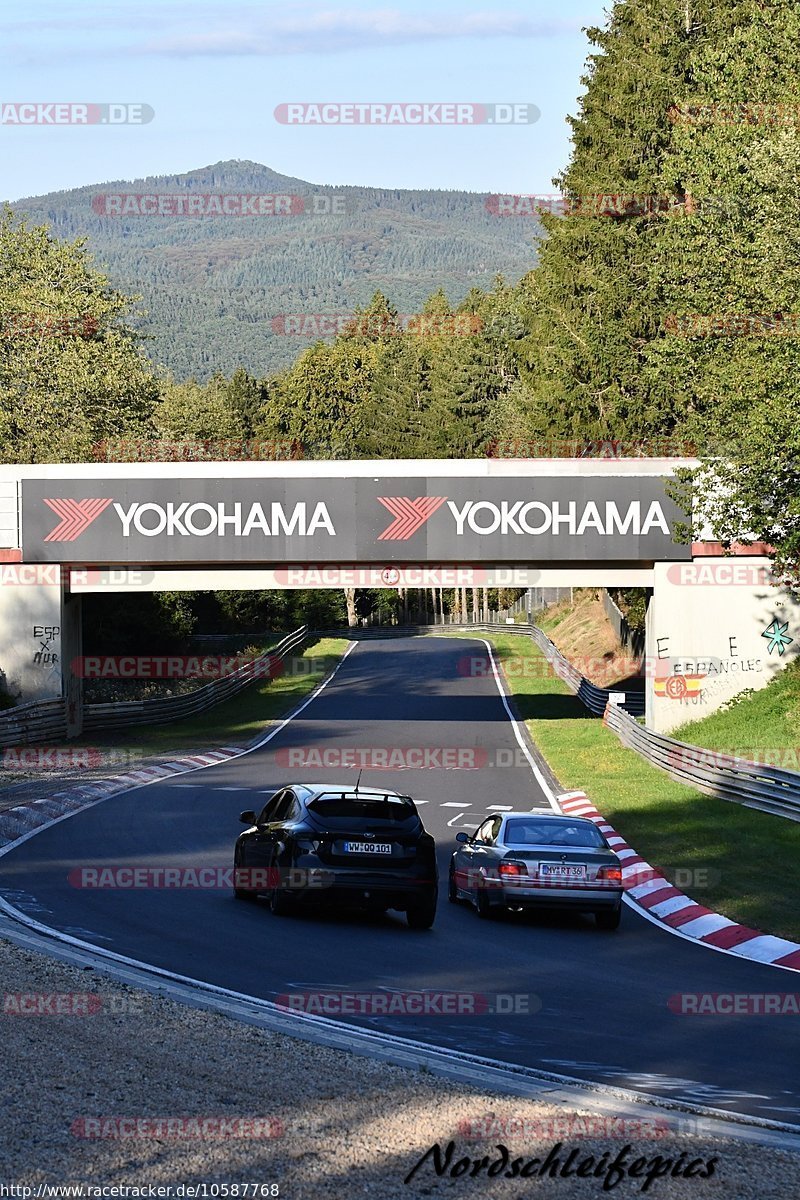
462	837
248	818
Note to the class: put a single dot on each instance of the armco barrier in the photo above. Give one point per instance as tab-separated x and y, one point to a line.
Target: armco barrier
36	721
756	785
629	639
39	721
174	708
595	698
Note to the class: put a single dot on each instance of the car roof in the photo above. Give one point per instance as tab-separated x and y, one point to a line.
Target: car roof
346	789
544	816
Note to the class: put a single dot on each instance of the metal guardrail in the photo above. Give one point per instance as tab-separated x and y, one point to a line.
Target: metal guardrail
630	639
35	721
755	785
595	698
40	720
174	708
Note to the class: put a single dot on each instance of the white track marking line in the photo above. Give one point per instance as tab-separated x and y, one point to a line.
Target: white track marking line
305	1022
534	766
465	825
301	708
627	900
17	915
457	804
500	807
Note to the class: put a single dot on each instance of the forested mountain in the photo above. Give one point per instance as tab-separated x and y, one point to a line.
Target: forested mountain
214	288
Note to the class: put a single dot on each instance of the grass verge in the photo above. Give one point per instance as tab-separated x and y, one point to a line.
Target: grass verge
238	719
737	861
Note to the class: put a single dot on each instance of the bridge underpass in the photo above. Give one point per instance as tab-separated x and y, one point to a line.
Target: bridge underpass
66	530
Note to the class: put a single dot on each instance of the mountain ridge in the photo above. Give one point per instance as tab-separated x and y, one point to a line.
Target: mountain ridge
214	287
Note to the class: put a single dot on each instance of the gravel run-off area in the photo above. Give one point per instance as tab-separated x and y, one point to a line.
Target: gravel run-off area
315	1122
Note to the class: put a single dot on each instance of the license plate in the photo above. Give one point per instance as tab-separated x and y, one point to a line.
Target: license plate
562	871
367	848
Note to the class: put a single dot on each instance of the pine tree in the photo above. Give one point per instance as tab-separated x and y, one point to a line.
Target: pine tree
593	301
730	272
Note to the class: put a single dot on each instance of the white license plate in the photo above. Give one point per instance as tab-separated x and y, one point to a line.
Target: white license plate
562	871
367	848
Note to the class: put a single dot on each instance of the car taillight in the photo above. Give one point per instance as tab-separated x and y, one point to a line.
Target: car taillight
610	874
511	870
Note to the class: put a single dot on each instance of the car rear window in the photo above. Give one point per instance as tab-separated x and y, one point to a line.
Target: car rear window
552	833
398	812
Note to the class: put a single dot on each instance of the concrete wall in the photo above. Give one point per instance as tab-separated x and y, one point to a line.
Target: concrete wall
705	636
31	631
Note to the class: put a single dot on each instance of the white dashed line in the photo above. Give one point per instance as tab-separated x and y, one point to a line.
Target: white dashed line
458	804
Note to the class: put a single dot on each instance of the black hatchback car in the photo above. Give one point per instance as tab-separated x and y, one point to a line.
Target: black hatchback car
361	846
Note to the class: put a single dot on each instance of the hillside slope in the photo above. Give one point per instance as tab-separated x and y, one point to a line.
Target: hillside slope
212	286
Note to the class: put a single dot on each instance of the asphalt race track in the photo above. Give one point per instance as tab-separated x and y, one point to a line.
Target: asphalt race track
604	1011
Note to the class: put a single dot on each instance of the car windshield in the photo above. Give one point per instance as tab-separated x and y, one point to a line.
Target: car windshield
340	811
551	833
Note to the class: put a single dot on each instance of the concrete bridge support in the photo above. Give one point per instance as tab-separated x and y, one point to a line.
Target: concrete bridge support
40	636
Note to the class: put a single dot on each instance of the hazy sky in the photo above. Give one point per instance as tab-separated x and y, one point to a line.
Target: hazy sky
215	72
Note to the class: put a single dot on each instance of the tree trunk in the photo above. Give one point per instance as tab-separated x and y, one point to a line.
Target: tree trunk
350	601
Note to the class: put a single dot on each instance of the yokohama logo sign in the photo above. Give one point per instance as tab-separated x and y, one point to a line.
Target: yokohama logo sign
191	520
75	516
479	517
536	517
409	515
292	516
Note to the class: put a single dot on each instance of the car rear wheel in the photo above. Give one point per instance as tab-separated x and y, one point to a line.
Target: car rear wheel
244	894
452	890
483	905
422	913
279	902
239	892
608	918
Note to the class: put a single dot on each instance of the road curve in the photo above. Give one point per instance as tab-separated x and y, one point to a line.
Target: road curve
604	1012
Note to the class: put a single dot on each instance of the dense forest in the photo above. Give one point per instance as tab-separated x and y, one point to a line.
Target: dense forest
215	290
662	312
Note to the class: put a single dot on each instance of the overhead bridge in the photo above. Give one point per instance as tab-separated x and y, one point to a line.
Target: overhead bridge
68	529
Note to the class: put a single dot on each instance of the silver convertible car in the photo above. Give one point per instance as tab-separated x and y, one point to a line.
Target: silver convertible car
519	860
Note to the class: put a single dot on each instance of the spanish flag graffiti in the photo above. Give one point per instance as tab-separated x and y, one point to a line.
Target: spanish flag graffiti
678	687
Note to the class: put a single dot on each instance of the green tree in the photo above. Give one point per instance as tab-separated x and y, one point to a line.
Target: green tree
730	273
593	303
72	373
205	412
